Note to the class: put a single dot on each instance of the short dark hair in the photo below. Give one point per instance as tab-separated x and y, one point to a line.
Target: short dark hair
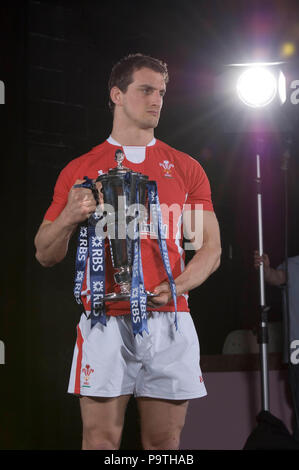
122	72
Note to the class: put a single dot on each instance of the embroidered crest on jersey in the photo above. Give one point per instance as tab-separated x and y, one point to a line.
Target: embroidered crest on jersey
167	168
100	172
87	371
148	230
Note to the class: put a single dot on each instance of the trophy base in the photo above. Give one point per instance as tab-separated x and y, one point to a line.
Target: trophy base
117	297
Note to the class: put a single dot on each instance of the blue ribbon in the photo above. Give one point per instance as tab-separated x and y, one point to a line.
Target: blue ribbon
138	299
81	259
97	276
155	208
92	246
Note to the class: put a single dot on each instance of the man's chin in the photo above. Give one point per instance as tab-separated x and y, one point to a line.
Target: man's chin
150	124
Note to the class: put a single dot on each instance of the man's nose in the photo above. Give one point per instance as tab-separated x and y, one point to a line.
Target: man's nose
157	99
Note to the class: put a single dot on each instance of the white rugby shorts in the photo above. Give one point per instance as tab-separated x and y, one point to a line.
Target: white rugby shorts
109	361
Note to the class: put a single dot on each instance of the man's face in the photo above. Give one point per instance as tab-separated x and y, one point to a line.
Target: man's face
142	102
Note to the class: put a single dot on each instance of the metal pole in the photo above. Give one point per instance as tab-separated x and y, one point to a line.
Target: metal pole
263	328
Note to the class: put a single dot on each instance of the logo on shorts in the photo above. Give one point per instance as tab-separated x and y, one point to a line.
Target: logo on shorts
87	371
167	167
200	379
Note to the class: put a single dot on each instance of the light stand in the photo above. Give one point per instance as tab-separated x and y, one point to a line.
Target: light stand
270	432
263	326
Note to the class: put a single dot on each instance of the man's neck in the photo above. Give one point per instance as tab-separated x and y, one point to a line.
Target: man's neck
137	137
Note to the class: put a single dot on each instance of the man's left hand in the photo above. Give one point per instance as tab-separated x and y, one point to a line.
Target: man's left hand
163	296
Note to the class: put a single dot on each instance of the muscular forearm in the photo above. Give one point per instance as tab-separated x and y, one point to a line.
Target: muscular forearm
275	277
200	267
52	241
52	238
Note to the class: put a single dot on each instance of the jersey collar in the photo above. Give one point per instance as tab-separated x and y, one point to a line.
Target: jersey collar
114	142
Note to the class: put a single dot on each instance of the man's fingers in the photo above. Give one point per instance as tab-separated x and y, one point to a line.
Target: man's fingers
101	196
164	287
162	296
98	185
88	205
88	197
85	194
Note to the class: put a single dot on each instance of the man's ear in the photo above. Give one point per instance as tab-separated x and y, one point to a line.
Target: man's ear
116	95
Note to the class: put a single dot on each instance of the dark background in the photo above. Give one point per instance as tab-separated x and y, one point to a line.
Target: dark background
55	62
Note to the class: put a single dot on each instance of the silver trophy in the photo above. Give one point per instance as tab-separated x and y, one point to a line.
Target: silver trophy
120	212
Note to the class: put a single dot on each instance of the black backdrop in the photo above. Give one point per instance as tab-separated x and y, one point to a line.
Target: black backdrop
55	62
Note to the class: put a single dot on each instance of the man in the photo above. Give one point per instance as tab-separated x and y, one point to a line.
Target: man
161	368
277	277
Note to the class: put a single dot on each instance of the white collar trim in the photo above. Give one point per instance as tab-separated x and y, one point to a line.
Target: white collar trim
114	142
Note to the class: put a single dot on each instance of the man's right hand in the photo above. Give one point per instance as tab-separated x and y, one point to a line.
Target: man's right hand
261	259
81	204
275	277
52	238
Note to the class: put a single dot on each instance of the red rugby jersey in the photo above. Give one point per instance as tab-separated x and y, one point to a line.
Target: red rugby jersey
181	182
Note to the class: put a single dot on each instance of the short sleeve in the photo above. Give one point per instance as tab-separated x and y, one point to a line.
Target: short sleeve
199	189
61	190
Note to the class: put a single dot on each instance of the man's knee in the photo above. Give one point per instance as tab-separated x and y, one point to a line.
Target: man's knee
162	441
162	422
95	440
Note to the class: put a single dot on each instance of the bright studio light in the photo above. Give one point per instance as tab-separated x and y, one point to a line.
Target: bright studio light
282	88
257	87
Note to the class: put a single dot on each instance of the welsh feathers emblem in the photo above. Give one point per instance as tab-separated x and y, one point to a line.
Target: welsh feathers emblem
87	371
167	168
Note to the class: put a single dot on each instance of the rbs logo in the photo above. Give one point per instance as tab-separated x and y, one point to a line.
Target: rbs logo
2	93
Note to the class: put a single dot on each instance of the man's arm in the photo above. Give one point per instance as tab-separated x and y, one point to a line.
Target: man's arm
51	241
275	277
204	262
52	238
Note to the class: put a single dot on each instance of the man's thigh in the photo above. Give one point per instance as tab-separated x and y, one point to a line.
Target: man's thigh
103	420
161	422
